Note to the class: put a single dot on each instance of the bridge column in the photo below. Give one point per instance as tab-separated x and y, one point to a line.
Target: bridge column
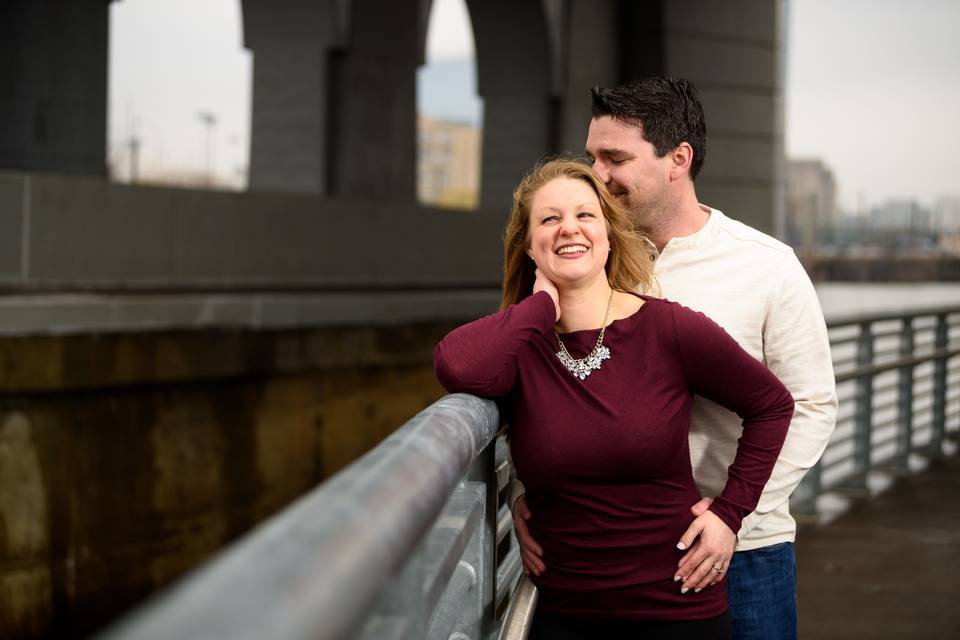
514	80
53	86
334	96
374	102
291	42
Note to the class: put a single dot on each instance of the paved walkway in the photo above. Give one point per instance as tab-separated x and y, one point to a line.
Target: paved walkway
889	567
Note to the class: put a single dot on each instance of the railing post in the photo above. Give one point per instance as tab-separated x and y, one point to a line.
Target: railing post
905	398
941	341
863	425
803	502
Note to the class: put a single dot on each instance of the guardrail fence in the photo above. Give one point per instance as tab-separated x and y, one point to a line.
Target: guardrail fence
898	381
408	543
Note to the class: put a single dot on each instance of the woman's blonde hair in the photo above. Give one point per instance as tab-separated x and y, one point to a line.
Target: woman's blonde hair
628	266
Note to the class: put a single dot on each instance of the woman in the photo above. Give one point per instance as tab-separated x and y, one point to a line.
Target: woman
596	383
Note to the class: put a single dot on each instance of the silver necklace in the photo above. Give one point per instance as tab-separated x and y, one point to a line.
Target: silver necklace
591	362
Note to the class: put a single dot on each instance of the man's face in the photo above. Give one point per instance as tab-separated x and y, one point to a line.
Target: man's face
629	166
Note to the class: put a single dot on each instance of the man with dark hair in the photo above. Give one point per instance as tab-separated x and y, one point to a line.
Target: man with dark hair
647	141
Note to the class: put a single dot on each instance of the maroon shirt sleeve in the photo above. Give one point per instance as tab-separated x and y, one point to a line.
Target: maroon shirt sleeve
481	357
720	370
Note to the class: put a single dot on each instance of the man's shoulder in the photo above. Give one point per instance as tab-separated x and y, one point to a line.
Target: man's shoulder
748	238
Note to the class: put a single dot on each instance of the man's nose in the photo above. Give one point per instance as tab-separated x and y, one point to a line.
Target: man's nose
602	170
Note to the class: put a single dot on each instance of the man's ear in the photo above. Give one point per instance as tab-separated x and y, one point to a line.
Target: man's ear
681	158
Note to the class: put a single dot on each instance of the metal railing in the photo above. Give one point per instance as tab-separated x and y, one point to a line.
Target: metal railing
898	382
400	545
409	543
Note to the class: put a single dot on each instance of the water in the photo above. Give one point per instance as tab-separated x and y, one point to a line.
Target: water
844	298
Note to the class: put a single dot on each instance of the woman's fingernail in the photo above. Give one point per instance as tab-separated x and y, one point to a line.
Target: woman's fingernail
684	590
677	578
681	546
697	590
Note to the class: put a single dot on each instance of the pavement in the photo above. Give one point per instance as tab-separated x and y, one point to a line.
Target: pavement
889	566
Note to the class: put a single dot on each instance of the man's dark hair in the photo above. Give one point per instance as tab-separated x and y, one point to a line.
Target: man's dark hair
667	111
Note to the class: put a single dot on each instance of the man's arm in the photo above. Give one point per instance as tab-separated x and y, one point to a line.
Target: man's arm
531	554
797	350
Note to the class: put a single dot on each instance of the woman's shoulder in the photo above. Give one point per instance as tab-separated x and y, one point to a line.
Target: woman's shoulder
676	312
655	303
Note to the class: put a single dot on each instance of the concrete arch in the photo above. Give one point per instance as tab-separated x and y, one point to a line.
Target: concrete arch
514	72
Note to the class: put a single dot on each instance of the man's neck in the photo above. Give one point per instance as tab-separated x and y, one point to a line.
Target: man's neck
685	219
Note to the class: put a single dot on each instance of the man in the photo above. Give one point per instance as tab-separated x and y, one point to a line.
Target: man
647	142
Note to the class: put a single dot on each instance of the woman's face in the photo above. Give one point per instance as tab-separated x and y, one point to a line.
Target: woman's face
568	233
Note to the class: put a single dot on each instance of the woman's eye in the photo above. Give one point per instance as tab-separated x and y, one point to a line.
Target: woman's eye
585	214
551	218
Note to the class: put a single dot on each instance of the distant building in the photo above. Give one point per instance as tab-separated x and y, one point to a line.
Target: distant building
811	201
908	216
946	215
448	164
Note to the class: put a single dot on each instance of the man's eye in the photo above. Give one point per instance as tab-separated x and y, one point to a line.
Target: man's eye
618	160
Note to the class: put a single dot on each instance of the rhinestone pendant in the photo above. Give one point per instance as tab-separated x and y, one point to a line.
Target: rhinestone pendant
588	364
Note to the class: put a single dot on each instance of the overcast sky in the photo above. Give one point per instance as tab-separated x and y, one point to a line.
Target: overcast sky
873	88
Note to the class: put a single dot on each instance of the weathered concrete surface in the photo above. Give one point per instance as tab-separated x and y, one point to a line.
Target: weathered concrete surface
127	459
888	568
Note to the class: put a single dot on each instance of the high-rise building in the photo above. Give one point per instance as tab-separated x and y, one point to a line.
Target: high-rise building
946	215
448	164
811	201
908	216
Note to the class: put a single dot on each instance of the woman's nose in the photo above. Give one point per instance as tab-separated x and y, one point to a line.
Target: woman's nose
568	226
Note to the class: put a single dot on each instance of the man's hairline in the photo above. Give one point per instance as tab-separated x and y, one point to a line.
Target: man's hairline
637	124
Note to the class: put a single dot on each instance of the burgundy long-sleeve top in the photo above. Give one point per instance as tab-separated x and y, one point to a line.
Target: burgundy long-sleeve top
605	460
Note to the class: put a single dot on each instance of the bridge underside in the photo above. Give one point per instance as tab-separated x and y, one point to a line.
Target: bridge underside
119	296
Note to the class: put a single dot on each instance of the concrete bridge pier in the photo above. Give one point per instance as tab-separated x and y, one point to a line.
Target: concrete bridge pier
53	74
291	42
334	108
514	79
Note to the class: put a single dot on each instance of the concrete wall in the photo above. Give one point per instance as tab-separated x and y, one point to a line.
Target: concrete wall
53	86
85	234
176	365
733	52
126	459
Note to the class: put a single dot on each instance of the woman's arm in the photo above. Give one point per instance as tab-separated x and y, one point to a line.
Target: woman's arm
481	357
717	368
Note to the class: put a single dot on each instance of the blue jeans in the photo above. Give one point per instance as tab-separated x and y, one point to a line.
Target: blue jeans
762	588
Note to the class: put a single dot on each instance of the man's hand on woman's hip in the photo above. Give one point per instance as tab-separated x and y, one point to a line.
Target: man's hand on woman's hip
530	552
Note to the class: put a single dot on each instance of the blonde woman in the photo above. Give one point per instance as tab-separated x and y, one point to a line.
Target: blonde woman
596	382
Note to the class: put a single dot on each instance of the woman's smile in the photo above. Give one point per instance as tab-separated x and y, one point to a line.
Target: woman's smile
568	232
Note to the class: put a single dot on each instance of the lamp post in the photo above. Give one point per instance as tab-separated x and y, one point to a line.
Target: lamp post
209	121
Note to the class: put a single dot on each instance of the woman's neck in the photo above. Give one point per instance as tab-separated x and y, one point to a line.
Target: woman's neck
583	307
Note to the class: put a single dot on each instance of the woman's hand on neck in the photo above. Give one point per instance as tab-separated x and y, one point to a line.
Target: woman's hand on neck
543	283
582	305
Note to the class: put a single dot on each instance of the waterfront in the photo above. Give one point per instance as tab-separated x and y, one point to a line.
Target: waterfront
844	298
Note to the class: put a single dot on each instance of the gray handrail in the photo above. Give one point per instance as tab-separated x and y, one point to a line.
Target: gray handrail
882	387
518	620
317	569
